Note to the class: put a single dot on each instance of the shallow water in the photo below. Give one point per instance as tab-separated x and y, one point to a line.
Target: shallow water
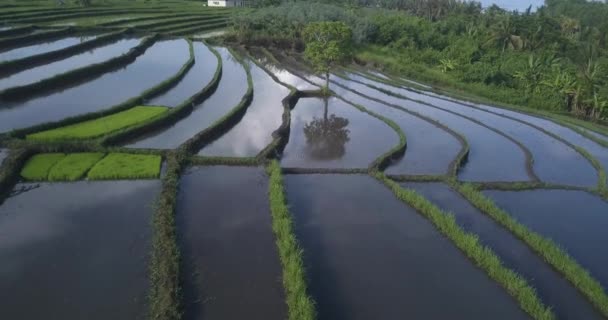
575	220
79	250
430	149
84	59
40	48
554	291
197	78
492	157
228	94
283	74
554	161
334	134
231	264
369	256
159	62
254	131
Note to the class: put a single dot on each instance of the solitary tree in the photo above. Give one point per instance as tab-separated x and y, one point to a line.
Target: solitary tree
327	44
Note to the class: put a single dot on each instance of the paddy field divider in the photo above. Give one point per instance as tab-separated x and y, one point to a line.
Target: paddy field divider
11	43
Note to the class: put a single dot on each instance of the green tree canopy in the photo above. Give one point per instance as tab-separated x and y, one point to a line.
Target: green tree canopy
327	44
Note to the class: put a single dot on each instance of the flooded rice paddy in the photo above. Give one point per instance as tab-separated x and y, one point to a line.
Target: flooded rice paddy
370	256
148	70
329	133
82	249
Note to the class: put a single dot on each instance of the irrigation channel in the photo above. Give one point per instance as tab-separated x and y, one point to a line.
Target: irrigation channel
385	198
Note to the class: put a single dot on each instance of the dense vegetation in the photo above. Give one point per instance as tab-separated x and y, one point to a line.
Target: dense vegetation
552	59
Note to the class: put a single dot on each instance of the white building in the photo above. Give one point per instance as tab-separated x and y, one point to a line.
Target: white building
226	3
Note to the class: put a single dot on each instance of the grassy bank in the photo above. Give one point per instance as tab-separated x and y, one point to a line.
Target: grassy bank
300	304
544	247
37	168
74	166
126	166
469	244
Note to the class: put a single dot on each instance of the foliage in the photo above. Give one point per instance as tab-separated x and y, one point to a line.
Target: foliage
38	166
101	126
74	166
126	166
300	304
552	59
327	44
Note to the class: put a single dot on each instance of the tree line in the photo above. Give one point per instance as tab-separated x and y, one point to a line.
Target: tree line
553	58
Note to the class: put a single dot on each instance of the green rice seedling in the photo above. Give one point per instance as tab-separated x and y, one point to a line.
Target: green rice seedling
126	166
470	245
300	304
38	166
74	166
101	126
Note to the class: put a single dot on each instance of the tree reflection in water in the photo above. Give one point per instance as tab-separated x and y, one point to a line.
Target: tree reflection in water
326	137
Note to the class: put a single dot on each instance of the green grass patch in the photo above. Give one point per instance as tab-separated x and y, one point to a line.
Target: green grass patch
38	166
300	304
74	166
126	166
469	244
101	126
544	247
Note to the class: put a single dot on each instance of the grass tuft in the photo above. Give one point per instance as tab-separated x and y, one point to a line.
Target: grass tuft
74	166
545	247
38	166
469	244
101	126
126	166
300	304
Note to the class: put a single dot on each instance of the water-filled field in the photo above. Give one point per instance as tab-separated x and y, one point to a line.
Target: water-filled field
234	187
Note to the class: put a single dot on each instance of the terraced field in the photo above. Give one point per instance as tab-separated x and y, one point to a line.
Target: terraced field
234	188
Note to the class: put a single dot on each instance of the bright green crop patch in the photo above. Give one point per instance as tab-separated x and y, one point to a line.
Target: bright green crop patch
126	166
101	126
37	167
74	166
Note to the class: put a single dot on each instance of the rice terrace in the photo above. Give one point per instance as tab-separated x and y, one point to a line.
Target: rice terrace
332	159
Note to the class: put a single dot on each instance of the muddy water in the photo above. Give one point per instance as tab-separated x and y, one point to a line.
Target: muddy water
575	220
554	161
78	250
555	291
158	63
84	59
40	48
254	132
430	149
333	134
195	80
369	256
492	157
231	263
228	94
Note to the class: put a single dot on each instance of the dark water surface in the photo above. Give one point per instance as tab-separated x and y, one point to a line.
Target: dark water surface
430	149
76	250
231	263
555	291
159	62
228	94
492	157
554	161
576	220
369	256
333	134
84	59
40	48
195	80
254	131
